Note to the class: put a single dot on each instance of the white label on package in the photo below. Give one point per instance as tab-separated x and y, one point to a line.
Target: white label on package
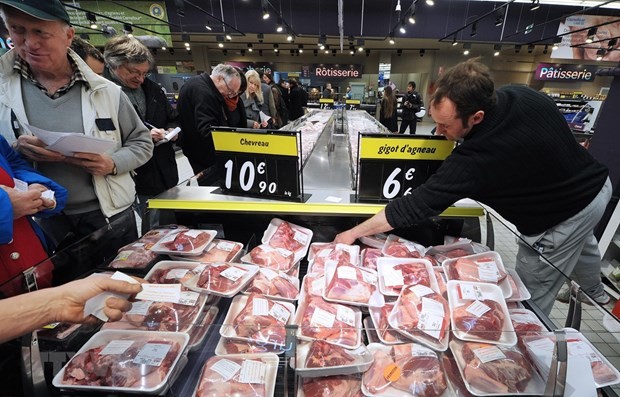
487	271
578	347
393	278
300	237
471	292
225	246
268	273
189	298
252	372
138	245
123	255
193	233
477	308
280	313
491	353
284	252
152	354
160	293
116	347
421	290
346	315
420	351
233	273
20	185
324	252
347	272
176	273
317	286
410	246
322	318
226	368
369	277
430	323
140	307
260	307
432	306
542	345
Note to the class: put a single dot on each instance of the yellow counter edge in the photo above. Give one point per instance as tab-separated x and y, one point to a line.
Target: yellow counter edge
290	207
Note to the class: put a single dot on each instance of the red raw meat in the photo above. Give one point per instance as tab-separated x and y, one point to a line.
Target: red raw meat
185	242
273	284
316	248
503	375
488	326
466	269
91	368
443	289
370	256
266	256
385	330
432	260
333	386
232	346
288	238
457	253
134	256
454	376
262	327
323	354
170	275
219	251
213	384
407	313
314	283
399	249
413	274
212	279
374	378
351	284
339	332
340	256
525	324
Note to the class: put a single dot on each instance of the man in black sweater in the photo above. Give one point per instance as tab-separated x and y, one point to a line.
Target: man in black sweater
518	156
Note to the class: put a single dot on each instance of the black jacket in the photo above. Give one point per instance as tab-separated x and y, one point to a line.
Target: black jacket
201	107
412	103
296	103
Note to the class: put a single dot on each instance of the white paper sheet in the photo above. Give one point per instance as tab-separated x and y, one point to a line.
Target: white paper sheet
69	143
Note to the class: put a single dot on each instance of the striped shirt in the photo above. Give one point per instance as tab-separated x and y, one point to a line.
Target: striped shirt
23	68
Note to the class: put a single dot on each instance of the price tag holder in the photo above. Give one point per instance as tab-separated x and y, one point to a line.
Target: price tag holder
259	163
353	104
326	103
391	166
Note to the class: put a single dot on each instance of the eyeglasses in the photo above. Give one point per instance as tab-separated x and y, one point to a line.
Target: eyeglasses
137	73
231	93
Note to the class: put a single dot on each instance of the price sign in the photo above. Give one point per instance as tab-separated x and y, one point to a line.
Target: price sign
259	162
391	166
326	103
353	104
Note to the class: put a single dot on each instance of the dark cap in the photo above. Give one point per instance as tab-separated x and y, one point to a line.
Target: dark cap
269	76
47	10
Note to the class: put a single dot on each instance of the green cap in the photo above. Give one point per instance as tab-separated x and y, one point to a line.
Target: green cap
47	10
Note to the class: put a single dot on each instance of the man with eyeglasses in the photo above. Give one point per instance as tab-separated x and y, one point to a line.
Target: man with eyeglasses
47	85
128	63
205	102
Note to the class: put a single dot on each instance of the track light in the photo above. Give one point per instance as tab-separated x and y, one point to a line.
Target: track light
128	29
517	48
164	48
242	53
546	49
402	28
316	52
399	52
265	13
530	48
333	52
275	48
208	26
292	52
84	36
466	47
186	39
321	47
221	45
392	42
188	49
360	45
556	43
496	49
600	54
430	2
290	37
591	34
454	42
499	17
92	19
398	8
260	53
225	52
535	5
612	43
412	19
474	29
171	51
367	52
301	48
279	27
260	37
250	47
422	52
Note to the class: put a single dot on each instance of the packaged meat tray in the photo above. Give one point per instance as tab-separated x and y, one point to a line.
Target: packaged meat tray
404	370
288	236
339	254
199	331
332	322
238	375
520	292
313	285
422	315
153	236
395	273
479	313
456	384
369	258
375	240
333	386
319	358
173	272
451	251
441	281
227	346
133	256
540	348
487	267
255	318
492	370
217	251
267	256
274	285
124	361
351	285
385	333
190	242
398	247
222	279
526	323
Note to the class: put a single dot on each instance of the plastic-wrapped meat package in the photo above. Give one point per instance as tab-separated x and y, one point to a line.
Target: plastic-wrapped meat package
350	284
315	248
333	386
323	354
441	282
153	236
331	322
369	258
395	277
526	324
262	320
422	314
457	384
341	254
232	346
124	363
289	238
266	256
221	277
495	369
375	241
314	284
400	248
481	318
274	284
134	256
173	275
432	260
420	372
227	377
220	251
484	269
384	330
455	253
188	240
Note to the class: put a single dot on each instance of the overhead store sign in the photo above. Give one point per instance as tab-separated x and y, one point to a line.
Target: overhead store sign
151	15
245	66
565	72
332	71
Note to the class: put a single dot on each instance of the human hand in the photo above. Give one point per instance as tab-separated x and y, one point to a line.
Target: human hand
157	134
255	125
33	149
68	304
95	164
264	124
47	204
345	237
23	203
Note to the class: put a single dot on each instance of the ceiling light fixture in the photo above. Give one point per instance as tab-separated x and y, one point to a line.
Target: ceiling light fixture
600	54
422	52
530	48
454	42
466	48
316	52
250	47
360	45
398	8
186	39
128	29
430	2
517	48
556	43
474	29
260	37
275	48
228	37
612	43
279	27
499	17
242	53
535	5
402	28
208	26
290	37
301	48
92	19
260	53
496	49
265	13
546	49
392	42
412	19
399	52
367	52
591	34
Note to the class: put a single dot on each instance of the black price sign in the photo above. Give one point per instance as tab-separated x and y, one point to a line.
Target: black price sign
326	103
259	163
391	166
353	104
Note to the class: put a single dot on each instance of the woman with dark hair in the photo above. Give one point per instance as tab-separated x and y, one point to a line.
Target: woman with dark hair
296	100
388	110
